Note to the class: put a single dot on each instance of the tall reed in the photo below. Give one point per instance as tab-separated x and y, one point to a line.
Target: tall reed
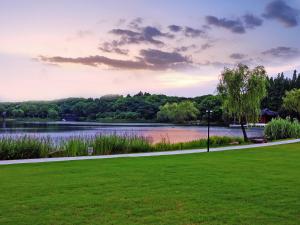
24	147
282	128
32	147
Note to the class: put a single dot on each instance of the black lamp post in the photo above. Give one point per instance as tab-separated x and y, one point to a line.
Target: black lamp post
208	127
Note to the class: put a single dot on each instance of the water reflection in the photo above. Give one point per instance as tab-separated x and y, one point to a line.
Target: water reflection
155	132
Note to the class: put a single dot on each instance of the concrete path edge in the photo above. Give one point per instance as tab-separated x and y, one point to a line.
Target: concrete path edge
177	152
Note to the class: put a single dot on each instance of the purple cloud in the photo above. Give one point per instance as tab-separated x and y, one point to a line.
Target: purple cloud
235	26
282	12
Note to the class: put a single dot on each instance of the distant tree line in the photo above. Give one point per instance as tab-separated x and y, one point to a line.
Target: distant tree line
276	90
139	107
146	107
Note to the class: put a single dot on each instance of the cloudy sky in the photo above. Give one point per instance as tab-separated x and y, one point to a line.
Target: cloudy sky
88	48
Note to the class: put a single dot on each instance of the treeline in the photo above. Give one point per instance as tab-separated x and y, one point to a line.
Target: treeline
144	106
277	88
139	107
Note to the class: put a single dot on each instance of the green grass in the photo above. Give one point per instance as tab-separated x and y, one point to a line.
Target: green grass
255	186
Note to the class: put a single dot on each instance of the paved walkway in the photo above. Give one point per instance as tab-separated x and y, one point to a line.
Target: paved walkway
178	152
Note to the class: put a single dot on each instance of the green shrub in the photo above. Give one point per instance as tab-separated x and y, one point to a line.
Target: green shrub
282	128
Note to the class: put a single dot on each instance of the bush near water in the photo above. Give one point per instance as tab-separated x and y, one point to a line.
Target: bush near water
282	128
26	147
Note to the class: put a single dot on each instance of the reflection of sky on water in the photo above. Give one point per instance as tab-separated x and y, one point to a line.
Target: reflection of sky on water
153	132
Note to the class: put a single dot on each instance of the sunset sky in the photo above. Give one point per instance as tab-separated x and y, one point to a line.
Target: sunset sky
55	49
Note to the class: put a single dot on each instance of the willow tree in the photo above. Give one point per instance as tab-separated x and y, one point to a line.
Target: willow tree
242	90
291	101
178	112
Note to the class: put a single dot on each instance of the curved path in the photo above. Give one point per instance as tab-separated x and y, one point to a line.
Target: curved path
177	152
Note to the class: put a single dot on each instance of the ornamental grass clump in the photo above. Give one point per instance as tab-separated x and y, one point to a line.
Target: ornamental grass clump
74	146
295	129
114	144
215	141
282	128
24	147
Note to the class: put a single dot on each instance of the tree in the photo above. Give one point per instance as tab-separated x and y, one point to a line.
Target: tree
276	89
29	109
213	103
2	109
52	114
186	111
291	101
178	112
79	109
17	113
42	111
166	112
242	91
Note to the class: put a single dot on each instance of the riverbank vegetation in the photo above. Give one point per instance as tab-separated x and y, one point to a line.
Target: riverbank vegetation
254	186
143	106
276	91
24	147
282	128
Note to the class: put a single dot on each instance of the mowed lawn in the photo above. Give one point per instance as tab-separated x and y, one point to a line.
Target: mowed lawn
255	186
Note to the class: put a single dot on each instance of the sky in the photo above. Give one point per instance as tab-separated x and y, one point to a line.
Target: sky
56	49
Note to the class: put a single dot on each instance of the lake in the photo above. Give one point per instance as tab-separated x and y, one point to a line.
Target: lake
154	131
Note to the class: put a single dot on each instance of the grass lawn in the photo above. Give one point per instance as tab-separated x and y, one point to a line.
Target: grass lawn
255	186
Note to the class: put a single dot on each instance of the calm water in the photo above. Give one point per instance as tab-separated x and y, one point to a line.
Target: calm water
155	132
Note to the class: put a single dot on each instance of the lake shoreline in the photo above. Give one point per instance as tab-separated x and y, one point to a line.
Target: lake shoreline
155	131
148	154
26	147
113	122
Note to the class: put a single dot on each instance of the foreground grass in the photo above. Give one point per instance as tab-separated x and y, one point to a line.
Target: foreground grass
255	186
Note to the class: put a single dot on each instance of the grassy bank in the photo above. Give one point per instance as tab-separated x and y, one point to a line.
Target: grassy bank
25	147
255	186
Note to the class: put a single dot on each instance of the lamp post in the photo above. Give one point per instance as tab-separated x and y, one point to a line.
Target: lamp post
208	127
